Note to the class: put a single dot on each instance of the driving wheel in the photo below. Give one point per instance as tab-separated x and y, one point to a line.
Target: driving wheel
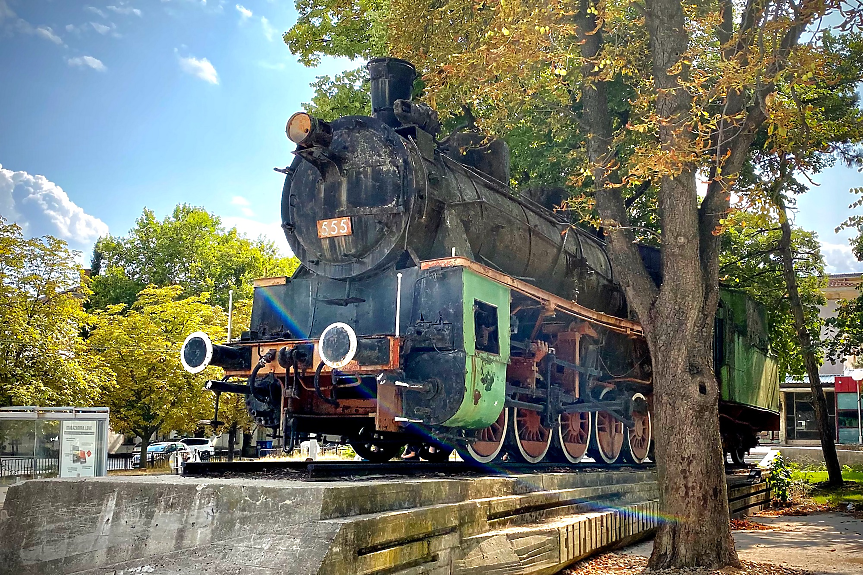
488	444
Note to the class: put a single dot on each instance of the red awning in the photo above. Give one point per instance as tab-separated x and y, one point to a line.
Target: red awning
845	384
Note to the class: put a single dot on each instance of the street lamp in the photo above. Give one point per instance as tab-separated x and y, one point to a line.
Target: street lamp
857	376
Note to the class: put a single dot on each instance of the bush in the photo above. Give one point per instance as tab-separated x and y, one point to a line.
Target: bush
779	478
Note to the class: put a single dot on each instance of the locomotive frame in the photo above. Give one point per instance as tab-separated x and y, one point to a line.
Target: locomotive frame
452	312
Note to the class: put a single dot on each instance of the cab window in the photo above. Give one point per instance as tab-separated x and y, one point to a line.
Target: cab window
485	327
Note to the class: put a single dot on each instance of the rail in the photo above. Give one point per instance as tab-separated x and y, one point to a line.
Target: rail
331	470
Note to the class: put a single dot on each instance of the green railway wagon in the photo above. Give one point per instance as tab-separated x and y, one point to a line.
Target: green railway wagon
747	371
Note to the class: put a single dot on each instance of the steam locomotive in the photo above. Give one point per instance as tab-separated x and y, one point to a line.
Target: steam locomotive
435	306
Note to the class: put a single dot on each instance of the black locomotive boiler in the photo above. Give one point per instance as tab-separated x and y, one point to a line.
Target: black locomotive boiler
436	306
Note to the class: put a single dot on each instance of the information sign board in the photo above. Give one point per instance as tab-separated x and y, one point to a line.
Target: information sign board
78	448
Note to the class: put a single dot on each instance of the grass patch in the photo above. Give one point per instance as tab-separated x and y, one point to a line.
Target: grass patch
850	492
815	477
812	481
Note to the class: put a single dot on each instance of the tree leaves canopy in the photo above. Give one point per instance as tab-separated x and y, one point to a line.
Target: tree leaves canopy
44	359
190	248
141	345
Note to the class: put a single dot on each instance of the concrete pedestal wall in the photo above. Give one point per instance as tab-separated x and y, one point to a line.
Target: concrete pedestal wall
161	525
848	455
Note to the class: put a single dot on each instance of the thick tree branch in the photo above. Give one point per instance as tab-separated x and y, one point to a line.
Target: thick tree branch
640	289
642	189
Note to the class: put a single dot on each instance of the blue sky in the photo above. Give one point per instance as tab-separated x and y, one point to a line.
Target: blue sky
113	105
823	208
124	104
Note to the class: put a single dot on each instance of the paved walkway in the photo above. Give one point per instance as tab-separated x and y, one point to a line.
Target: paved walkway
823	543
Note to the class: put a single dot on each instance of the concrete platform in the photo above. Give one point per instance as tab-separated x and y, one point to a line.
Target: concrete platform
169	524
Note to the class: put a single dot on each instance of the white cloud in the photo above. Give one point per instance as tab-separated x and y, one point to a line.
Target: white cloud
125	10
244	205
24	27
87	62
100	28
839	258
47	33
202	69
41	207
95	10
254	229
269	31
5	11
244	12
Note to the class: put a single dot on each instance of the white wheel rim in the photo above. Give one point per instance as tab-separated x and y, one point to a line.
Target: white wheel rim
566	453
649	433
615	423
518	441
489	458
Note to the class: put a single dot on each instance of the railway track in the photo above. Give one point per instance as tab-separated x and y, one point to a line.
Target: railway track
349	470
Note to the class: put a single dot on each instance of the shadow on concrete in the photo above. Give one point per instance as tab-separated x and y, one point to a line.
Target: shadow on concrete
823	543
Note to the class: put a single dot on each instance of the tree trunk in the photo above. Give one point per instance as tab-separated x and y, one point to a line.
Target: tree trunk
145	443
692	488
678	318
819	401
247	450
232	440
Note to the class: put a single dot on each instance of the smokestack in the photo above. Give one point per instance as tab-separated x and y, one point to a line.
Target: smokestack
392	79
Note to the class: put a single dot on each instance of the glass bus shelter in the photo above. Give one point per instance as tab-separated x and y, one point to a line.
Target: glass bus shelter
37	442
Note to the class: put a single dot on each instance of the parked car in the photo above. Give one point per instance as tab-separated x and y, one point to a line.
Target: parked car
161	451
200	446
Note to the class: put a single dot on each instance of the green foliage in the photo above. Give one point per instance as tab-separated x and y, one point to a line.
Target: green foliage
141	345
779	478
750	261
345	95
190	248
44	359
348	452
351	29
845	329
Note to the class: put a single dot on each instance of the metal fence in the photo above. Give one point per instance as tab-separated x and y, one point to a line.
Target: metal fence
120	461
25	467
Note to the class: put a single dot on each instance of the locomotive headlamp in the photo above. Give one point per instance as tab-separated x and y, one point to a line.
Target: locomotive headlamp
197	352
337	345
299	126
306	131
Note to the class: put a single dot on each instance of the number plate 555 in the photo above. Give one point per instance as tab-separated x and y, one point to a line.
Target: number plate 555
334	228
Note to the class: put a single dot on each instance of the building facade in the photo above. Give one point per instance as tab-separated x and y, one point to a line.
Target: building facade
797	423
